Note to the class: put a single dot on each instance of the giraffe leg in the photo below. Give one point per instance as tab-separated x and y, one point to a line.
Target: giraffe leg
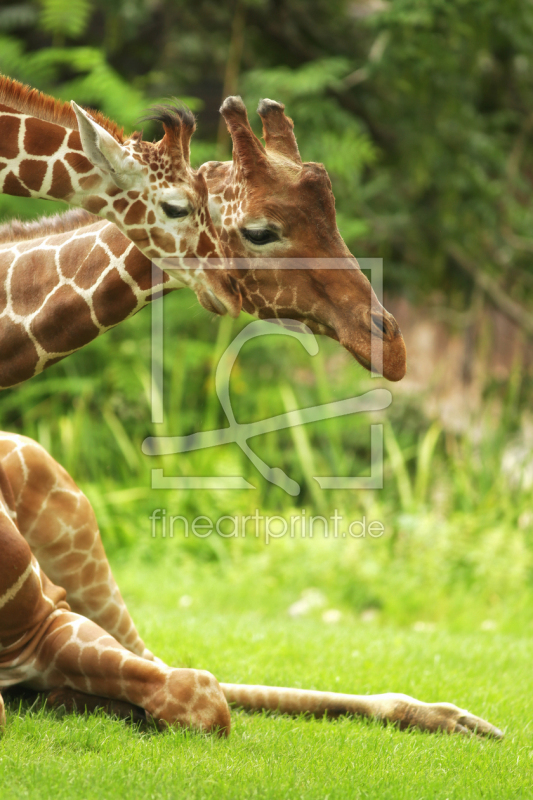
75	702
59	524
76	653
398	709
45	646
2	715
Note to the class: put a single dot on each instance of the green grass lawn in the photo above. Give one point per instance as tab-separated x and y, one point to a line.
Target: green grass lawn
46	755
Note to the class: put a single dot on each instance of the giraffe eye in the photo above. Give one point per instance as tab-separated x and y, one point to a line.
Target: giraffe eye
259	235
174	212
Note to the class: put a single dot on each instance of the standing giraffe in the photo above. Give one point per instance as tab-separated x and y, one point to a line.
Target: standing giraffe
45	646
148	190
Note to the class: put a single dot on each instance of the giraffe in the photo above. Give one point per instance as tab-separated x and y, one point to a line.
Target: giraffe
336	302
406	711
267	203
52	150
47	524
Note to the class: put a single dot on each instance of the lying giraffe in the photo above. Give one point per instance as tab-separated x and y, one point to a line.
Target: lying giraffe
48	528
283	210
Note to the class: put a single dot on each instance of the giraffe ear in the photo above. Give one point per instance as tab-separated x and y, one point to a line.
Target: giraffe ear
104	151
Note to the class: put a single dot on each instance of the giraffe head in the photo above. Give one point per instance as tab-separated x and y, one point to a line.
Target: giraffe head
150	191
267	203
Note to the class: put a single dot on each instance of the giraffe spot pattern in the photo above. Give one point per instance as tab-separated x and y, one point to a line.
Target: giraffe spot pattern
78	162
61	184
33	279
90	182
91	267
42	138
74	141
9	131
138	266
162	240
65	317
116	241
13	186
120	205
32	172
113	299
136	213
94	204
19	354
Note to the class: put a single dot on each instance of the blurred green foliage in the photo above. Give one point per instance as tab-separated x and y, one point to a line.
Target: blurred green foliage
421	112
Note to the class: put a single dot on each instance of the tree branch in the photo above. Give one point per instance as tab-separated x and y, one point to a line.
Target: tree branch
513	310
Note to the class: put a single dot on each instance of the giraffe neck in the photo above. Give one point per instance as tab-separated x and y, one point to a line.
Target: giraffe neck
39	158
59	292
45	160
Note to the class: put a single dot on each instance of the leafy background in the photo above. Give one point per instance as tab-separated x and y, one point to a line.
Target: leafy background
421	111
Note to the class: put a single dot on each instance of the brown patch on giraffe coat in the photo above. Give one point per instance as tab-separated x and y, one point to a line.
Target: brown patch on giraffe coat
7	108
13	186
42	138
112	191
78	162
33	278
205	246
64	322
136	213
72	257
94	204
19	356
115	240
74	141
133	195
9	131
32	173
113	300
61	184
120	205
90	182
138	266
92	266
138	235
150	218
162	240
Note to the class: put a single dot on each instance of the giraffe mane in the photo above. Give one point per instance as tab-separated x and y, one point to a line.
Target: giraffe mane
24	99
18	231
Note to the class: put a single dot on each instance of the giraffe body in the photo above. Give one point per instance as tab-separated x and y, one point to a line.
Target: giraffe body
48	528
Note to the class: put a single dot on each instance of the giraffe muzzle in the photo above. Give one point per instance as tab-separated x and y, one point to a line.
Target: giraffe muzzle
228	303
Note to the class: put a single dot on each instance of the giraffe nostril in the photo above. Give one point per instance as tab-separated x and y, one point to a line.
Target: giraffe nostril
234	285
380	324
